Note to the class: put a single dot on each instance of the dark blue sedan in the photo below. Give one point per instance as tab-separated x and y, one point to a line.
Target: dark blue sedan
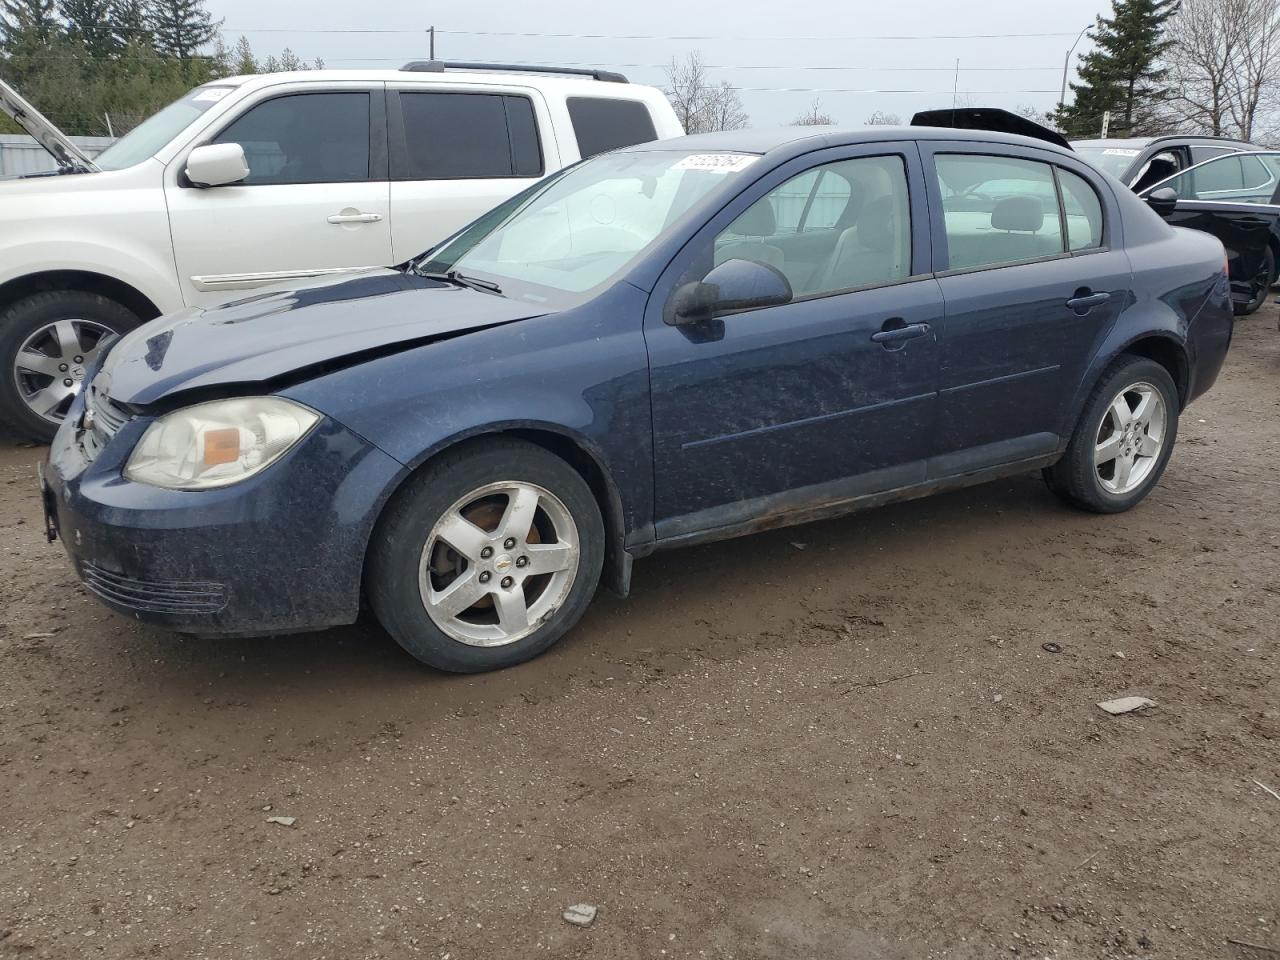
677	342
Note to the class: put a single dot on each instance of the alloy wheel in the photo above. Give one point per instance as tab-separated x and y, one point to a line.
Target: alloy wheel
499	563
1130	438
51	364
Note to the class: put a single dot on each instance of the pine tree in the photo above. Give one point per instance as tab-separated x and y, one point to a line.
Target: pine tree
242	59
90	23
1122	73
130	23
27	21
181	27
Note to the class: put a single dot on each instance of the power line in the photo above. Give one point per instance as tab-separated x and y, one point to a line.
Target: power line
642	36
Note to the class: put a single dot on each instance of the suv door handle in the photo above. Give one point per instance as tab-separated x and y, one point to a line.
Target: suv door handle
895	332
355	218
1084	300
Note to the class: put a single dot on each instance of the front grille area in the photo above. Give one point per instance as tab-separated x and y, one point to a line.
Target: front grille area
105	419
155	596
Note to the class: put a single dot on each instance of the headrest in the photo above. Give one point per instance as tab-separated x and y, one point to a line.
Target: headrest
1025	214
852	206
757	221
876	227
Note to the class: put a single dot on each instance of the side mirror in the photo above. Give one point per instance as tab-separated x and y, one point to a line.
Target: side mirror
1163	201
732	286
217	164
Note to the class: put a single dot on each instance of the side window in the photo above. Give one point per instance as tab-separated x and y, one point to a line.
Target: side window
1218	176
304	138
1084	211
865	240
998	210
1199	154
601	125
462	136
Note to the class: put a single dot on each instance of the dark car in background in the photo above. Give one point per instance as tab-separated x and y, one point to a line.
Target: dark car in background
1237	199
1140	162
664	345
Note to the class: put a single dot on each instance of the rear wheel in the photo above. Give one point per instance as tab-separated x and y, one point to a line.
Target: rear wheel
1123	441
1260	287
487	557
48	341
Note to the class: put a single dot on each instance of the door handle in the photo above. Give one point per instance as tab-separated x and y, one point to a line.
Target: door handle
355	218
895	332
1084	300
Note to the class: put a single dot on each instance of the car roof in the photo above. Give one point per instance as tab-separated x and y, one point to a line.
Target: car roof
551	82
1140	142
766	140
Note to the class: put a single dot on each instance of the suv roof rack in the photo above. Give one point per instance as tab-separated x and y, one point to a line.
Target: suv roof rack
440	66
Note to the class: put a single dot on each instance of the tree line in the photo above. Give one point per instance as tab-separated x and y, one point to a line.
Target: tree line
101	67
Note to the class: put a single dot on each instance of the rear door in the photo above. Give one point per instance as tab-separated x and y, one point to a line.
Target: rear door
1028	295
458	152
315	200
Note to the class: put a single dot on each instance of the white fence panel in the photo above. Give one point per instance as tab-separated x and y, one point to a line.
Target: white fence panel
19	154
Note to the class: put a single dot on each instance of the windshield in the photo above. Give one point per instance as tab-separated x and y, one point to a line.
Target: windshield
146	139
1112	160
563	239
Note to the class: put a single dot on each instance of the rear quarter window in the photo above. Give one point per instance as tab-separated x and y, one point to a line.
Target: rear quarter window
600	124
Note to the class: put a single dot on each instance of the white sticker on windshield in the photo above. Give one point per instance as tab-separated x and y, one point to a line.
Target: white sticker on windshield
1118	152
717	162
212	95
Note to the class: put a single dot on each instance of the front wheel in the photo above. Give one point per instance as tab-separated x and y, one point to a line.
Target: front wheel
48	341
1123	441
487	557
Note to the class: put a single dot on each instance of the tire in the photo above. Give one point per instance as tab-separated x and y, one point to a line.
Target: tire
1262	282
1102	486
414	563
31	326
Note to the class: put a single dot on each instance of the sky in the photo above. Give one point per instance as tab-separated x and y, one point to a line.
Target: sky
856	57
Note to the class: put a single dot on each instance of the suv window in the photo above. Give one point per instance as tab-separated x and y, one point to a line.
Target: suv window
304	138
861	234
467	136
1201	153
998	210
601	125
1238	177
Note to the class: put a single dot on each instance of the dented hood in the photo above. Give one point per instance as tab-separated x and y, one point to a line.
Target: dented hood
277	335
69	156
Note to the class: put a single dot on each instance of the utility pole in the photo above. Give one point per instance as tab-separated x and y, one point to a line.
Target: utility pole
955	90
431	47
1066	65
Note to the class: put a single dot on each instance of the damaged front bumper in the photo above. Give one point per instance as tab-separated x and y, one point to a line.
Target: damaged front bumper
279	552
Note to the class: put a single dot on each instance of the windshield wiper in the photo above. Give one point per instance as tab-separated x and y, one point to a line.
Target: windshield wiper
460	280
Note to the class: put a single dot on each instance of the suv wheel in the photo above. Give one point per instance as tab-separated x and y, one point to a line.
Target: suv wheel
1266	276
487	557
47	343
1123	441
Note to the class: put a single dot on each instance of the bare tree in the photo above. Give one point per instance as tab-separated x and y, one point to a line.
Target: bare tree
1224	66
882	119
813	117
701	104
1029	112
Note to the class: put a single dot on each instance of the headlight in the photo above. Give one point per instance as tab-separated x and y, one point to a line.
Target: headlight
218	443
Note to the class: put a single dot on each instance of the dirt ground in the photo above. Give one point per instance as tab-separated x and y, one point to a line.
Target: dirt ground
844	740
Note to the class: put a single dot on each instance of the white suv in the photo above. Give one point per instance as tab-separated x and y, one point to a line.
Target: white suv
270	179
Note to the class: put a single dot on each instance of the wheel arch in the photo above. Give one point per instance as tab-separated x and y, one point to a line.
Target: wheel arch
574	450
1169	353
86	281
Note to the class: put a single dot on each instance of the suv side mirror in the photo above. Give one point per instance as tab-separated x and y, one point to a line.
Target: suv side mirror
1163	201
217	164
734	285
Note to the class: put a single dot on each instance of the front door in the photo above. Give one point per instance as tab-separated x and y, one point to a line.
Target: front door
828	397
1233	198
316	198
1028	296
